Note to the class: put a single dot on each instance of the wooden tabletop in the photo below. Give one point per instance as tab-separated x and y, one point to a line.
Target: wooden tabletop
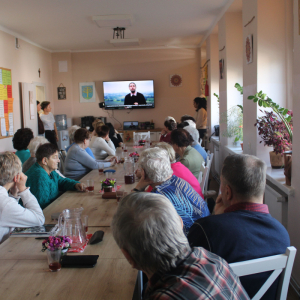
24	270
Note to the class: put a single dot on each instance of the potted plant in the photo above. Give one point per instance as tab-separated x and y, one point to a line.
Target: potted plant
286	136
234	121
108	184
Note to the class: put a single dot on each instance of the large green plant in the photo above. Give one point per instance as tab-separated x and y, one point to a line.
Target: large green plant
264	101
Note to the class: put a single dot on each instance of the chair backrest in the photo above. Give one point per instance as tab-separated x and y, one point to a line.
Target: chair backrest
202	177
62	157
141	136
208	164
280	265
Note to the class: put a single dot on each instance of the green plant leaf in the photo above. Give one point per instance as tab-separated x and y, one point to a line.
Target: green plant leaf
260	102
241	107
251	97
264	96
260	93
255	99
285	111
289	118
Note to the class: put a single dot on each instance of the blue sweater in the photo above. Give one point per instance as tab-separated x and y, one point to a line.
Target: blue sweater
200	150
242	235
187	202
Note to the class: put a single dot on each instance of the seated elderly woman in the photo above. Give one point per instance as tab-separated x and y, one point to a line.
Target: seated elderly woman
101	145
181	141
45	184
195	144
32	147
114	135
21	140
78	163
72	131
169	126
12	188
156	171
179	169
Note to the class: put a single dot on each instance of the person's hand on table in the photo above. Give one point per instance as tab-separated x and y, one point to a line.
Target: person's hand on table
219	206
80	187
113	160
143	183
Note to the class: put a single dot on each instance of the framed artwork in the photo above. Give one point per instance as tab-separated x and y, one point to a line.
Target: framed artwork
87	92
61	93
175	80
249	49
221	67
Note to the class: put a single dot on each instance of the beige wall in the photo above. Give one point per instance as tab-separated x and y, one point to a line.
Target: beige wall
24	64
129	65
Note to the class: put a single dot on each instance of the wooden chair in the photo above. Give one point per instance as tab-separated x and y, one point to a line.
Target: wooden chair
281	265
141	136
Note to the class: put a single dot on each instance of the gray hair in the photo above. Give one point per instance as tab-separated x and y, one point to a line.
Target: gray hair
194	133
169	149
245	174
35	143
72	131
148	227
170	118
156	164
10	166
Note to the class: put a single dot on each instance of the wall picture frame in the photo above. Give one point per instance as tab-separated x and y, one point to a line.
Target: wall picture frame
61	93
87	92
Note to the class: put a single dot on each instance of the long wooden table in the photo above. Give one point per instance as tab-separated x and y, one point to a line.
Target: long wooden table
24	270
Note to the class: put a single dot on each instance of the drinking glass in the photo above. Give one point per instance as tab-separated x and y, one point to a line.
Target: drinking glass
90	185
85	222
54	260
101	168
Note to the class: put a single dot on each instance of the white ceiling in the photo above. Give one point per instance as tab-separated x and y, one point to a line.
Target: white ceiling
59	25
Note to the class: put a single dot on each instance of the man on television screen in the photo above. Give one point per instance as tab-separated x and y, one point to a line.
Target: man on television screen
134	98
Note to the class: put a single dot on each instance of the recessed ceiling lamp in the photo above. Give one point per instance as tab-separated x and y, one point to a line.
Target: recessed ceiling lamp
113	20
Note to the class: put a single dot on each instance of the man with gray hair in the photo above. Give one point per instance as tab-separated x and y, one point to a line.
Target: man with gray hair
149	233
156	171
242	228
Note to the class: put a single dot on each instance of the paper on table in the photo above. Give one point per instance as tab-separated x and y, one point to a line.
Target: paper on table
1	109
3	127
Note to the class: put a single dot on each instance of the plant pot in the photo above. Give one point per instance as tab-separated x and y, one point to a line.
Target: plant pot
242	145
288	167
276	160
107	189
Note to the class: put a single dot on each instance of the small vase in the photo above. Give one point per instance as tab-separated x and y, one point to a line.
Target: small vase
54	260
276	160
107	189
288	167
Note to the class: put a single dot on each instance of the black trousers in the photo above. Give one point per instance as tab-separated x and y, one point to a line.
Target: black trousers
51	136
202	132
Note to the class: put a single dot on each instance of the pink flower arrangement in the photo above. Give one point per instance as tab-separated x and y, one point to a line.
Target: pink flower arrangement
53	243
108	182
142	141
273	131
134	154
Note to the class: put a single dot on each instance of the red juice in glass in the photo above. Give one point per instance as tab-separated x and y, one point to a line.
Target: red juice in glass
55	266
129	179
86	228
90	188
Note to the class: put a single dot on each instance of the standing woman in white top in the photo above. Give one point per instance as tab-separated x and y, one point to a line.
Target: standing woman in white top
101	145
200	115
49	123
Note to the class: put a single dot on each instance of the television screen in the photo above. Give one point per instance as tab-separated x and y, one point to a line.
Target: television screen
128	94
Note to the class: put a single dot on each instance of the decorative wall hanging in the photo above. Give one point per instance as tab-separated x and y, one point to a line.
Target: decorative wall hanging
221	67
249	49
175	80
61	92
87	92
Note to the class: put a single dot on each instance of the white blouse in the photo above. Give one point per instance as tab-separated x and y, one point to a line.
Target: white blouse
48	121
101	149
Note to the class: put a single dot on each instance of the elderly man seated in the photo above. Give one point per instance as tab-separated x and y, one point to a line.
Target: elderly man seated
12	188
156	171
43	181
149	232
242	228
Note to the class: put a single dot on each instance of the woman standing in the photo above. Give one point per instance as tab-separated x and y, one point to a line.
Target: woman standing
49	123
200	115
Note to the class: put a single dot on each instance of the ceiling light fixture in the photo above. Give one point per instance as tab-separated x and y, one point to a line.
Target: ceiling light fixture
119	32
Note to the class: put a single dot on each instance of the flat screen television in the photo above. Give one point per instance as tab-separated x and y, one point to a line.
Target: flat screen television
128	94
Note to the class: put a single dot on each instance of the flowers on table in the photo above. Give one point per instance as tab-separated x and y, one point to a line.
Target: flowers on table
53	243
108	182
142	142
135	156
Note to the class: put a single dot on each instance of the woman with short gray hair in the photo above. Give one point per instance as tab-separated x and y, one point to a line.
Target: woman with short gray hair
179	169
72	131
12	214
195	144
156	171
